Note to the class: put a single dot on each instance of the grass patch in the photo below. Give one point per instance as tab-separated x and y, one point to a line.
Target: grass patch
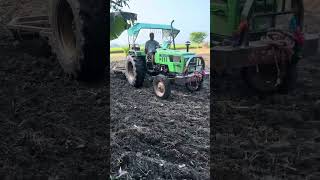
116	50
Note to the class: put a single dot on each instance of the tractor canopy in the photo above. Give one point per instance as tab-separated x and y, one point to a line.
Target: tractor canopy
166	29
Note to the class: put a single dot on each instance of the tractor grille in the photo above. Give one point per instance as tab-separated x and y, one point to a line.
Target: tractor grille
175	59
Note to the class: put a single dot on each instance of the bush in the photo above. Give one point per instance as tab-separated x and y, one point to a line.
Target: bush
198	37
125	50
116	50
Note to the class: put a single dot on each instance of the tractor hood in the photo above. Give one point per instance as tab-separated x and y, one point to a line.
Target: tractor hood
175	52
119	22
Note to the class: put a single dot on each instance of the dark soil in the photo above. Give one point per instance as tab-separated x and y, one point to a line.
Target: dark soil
159	139
50	125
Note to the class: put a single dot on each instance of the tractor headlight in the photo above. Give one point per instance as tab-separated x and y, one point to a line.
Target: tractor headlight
176	59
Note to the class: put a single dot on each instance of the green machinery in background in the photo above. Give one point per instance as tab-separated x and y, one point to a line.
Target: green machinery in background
264	38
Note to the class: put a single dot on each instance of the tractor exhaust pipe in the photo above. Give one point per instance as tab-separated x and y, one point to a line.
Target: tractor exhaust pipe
172	34
188	45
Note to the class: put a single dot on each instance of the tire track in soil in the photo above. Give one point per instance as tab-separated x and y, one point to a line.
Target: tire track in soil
151	138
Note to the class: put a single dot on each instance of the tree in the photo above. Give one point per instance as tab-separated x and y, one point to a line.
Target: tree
198	37
116	5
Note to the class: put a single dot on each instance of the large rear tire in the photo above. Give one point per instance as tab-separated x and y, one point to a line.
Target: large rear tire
135	71
79	36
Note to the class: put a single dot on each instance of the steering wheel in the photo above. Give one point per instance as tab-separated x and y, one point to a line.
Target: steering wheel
150	57
166	44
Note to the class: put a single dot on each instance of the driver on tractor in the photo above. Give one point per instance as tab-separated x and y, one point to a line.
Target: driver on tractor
150	47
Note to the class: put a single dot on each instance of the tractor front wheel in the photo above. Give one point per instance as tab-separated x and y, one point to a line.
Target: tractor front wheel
161	86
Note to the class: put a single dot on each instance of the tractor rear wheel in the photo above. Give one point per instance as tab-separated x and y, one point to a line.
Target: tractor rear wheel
79	36
135	71
161	86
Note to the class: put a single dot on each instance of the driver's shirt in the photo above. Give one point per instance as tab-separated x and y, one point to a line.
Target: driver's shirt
151	46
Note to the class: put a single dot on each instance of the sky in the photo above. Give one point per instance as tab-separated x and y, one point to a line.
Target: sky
189	16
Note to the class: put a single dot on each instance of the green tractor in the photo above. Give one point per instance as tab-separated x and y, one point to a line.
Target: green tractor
165	65
264	38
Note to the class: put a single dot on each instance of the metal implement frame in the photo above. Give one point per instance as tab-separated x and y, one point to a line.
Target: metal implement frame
30	27
228	57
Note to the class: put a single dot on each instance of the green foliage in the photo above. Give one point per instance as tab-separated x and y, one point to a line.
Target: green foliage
117	26
125	50
117	5
198	37
183	46
116	50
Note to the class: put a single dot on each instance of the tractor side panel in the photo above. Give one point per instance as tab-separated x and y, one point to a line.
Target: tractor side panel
174	63
225	17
